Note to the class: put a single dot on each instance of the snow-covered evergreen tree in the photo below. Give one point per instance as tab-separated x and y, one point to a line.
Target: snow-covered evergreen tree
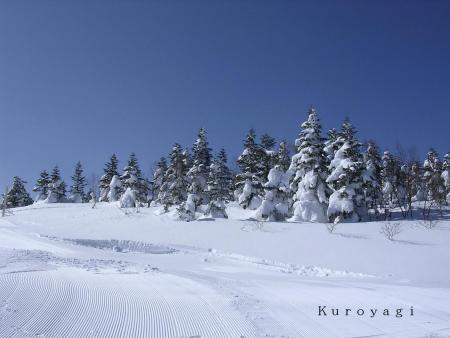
269	156
158	178
346	178
198	176
433	180
390	179
332	144
201	151
110	170
225	175
308	170
372	177
175	184
282	156
132	178
42	186
275	205
219	183
249	182
128	198
77	194
18	196
446	176
115	189
410	185
57	188
267	141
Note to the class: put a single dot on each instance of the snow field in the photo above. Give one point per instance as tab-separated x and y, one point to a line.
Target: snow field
72	271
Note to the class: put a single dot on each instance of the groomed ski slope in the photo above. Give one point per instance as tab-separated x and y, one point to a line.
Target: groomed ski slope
67	270
71	303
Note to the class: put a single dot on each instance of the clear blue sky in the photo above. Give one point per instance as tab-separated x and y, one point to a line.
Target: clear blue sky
80	80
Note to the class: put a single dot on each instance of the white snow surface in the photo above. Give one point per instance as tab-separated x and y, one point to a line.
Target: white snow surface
67	270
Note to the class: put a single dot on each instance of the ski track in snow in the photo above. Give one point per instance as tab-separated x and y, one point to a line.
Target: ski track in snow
301	270
69	303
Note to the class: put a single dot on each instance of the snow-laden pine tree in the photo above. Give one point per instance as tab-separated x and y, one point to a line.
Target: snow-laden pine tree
56	188
197	176
267	142
249	182
133	180
275	205
346	178
433	180
446	176
42	186
269	156
129	198
410	178
372	177
201	153
174	188
219	183
18	196
308	172
109	171
77	194
158	178
115	189
332	144
390	173
282	157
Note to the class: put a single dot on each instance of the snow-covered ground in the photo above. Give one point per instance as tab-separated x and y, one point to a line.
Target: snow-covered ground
67	270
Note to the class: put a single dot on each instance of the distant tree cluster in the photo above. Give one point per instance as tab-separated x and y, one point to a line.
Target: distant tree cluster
328	179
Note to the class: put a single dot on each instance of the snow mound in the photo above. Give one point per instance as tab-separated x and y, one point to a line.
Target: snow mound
123	246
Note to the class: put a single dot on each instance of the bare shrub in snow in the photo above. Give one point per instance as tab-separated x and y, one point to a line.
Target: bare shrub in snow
391	229
331	227
429	223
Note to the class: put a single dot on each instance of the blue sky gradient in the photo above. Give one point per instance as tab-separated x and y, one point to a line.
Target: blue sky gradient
80	80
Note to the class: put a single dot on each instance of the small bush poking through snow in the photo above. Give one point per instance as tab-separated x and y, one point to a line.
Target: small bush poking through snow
331	227
390	230
429	223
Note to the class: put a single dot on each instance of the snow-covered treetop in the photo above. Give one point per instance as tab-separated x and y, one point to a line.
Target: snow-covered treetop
78	180
283	159
55	175
348	131
267	142
446	162
201	151
132	166
310	148
432	162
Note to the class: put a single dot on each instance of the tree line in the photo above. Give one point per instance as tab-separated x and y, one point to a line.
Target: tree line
327	179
